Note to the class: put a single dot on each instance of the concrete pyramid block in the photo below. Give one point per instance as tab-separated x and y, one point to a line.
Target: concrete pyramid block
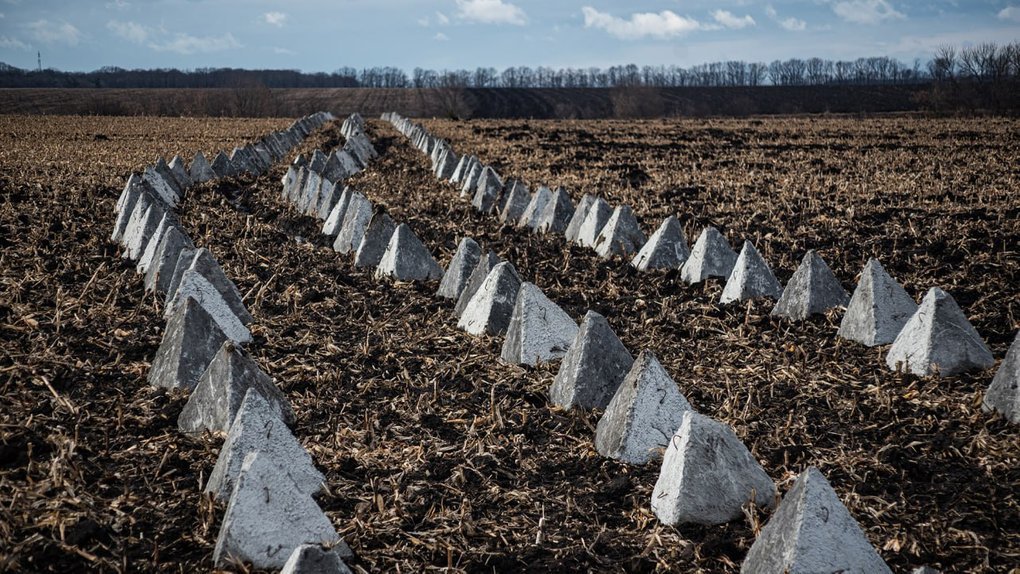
268	517
665	249
459	270
515	203
1003	395
180	172
487	191
580	213
149	251
708	475
356	220
490	308
200	171
711	256
222	166
593	368
184	259
810	532
135	218
162	185
141	233
812	289
334	170
643	414
335	220
751	278
597	217
470	181
447	163
164	260
317	162
349	162
242	164
533	213
128	194
205	264
462	169
314	559
539	332
195	286
296	191
407	259
621	235
328	196
878	309
256	428
289	180
377	238
214	403
190	343
475	280
938	337
310	193
557	213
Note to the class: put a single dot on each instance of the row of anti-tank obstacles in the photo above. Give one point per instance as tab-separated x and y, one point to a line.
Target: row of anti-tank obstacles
707	475
262	472
934	338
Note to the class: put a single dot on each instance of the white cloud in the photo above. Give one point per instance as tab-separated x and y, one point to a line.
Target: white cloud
8	43
2	16
728	19
424	22
491	12
187	44
54	33
440	37
277	19
1011	13
792	24
665	24
866	11
118	4
283	51
131	31
443	19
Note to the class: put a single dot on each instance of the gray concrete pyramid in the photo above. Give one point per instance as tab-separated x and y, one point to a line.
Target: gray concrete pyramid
475	280
309	193
356	220
204	263
812	289
145	228
459	270
149	251
751	278
162	181
446	165
135	219
597	217
349	162
665	249
711	256
214	403
533	213
164	260
317	162
490	308
376	239
196	287
222	166
129	194
643	414
620	236
487	191
470	181
200	170
256	428
329	194
290	180
268	517
878	309
190	343
334	169
180	173
335	220
184	259
515	202
1003	395
407	259
462	169
580	212
314	559
811	532
297	190
539	332
557	213
242	164
708	475
938	337
593	368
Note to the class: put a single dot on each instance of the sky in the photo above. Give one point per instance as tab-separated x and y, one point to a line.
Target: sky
324	35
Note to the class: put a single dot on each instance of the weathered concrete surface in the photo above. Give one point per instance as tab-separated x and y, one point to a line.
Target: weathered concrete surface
878	309
152	242
205	264
134	205
812	289
711	256
1003	395
142	231
377	238
597	217
539	332
621	236
491	307
190	342
593	368
317	163
184	259
331	227
580	213
310	193
161	186
161	268
708	475
487	191
665	249
329	195
200	170
194	286
407	259
533	213
939	338
314	559
222	166
470	181
462	169
812	532
459	270
557	213
359	213
475	281
751	278
180	172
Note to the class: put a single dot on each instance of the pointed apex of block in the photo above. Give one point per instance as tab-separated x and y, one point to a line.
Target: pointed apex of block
474	283
407	259
487	191
459	270
515	202
490	308
375	241
621	235
878	309
190	342
1003	394
594	220
335	219
593	368
580	212
813	289
314	559
939	338
200	170
751	278
812	531
356	220
533	213
557	213
665	249
711	256
540	331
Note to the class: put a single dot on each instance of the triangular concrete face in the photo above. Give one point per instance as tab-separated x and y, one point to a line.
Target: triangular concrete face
149	251
317	162
665	249
539	332
475	281
349	162
487	191
329	195
533	213
377	238
290	179
359	214
811	532
580	212
161	185
711	256
161	268
314	559
470	181
812	289
256	428
334	170
643	414
490	308
708	475
336	215
310	192
593	368
295	192
214	403
446	165
515	201
557	213
200	170
184	259
222	166
190	343
206	265
620	236
938	337
1003	395
597	217
407	259
129	194
463	166
751	278
268	517
180	173
135	220
196	287
878	309
140	235
459	270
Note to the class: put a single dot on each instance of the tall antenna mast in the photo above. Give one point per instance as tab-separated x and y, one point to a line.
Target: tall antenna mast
38	56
